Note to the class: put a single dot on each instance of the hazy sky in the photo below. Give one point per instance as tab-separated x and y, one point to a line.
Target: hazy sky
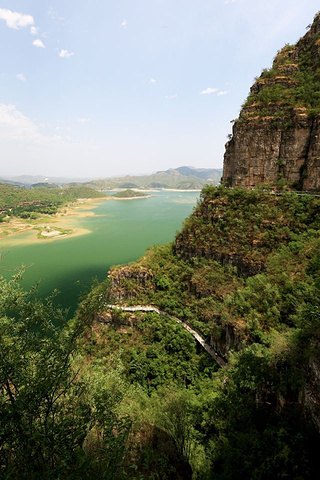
106	87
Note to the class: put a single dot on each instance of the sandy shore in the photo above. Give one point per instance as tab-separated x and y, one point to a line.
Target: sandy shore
50	228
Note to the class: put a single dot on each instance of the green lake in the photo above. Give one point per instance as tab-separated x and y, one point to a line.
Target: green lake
120	232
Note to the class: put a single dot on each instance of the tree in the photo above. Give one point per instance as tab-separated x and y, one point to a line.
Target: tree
46	412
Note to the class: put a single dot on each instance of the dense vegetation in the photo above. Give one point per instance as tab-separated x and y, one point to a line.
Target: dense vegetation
20	202
57	419
272	319
122	395
249	224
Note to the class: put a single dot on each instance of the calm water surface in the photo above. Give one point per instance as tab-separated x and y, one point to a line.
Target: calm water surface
120	233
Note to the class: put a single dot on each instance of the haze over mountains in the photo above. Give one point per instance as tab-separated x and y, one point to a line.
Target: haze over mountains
28	180
179	178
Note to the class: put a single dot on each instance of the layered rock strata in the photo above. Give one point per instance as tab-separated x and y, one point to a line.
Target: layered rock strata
276	139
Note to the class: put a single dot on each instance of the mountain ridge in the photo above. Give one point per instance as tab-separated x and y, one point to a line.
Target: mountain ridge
180	178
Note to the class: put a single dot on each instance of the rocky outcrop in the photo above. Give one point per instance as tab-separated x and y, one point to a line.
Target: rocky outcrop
276	139
244	268
240	229
227	338
130	282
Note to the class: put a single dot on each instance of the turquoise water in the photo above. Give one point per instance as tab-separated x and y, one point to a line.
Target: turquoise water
120	232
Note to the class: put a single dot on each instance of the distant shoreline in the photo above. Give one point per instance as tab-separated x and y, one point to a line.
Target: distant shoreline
62	224
153	190
181	190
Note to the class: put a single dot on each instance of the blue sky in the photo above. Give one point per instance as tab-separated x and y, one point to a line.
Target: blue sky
109	87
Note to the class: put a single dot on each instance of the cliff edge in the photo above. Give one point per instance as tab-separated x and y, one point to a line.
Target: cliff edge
276	139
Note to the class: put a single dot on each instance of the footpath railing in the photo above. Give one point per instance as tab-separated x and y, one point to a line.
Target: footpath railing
197	335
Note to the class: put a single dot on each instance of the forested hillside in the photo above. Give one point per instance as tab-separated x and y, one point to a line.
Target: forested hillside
114	394
244	271
16	201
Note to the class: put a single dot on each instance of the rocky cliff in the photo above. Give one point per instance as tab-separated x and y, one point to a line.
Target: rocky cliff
241	229
128	282
276	139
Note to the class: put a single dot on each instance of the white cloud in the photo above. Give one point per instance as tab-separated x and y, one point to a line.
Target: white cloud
34	31
208	91
84	120
21	77
153	80
16	126
38	43
223	92
229	1
170	97
23	145
124	24
65	54
15	20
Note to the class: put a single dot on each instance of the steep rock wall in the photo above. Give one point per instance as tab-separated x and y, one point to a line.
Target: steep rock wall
128	282
277	135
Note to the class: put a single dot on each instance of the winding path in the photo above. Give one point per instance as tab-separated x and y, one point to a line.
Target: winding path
200	338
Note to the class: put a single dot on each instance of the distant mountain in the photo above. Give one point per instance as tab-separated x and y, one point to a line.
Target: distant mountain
26	180
211	174
182	178
12	182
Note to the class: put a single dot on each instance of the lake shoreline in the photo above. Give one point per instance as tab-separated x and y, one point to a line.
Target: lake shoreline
49	228
62	225
108	233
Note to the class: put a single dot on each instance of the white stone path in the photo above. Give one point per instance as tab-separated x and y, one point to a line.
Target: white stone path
200	339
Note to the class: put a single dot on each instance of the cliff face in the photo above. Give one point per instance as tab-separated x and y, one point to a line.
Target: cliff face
241	229
276	138
128	282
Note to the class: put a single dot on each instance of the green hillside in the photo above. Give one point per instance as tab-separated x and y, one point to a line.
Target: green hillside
132	395
16	201
129	194
244	271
